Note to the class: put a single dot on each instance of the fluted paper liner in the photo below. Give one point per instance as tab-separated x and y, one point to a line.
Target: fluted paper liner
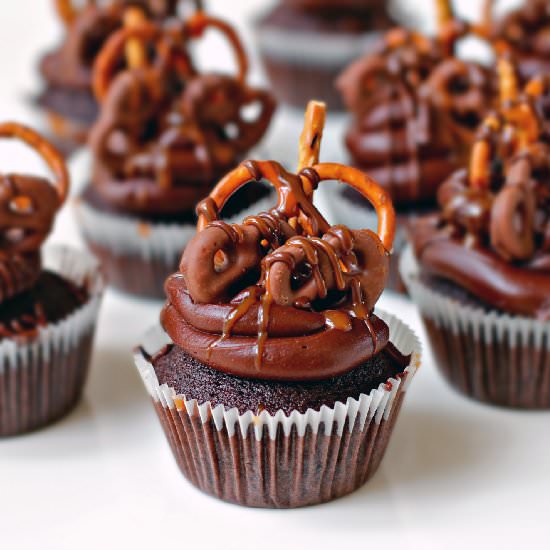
491	356
42	378
280	461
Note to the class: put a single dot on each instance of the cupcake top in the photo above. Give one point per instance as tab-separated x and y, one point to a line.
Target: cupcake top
415	108
527	31
87	29
29	205
492	235
166	131
283	295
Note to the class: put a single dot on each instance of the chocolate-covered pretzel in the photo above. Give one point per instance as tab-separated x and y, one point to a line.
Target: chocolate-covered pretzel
282	272
27	209
415	108
503	204
166	130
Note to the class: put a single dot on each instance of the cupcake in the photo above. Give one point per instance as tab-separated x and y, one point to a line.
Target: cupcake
305	44
49	299
275	381
67	97
415	108
479	269
164	135
525	30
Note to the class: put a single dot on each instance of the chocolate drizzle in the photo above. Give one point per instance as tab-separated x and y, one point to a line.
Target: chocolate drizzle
283	295
165	131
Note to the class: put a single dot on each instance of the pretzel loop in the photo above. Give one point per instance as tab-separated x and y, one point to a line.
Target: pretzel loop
52	157
200	22
291	206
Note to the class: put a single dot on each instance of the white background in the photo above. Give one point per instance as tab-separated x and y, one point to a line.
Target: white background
457	474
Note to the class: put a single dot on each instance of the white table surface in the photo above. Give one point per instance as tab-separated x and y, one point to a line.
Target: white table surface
456	475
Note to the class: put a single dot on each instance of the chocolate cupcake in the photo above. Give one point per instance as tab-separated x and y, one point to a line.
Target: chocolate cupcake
275	382
415	108
480	268
164	136
305	44
526	31
67	97
49	299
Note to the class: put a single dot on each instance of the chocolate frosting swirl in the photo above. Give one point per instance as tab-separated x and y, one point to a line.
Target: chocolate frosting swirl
415	109
28	206
166	132
492	235
282	296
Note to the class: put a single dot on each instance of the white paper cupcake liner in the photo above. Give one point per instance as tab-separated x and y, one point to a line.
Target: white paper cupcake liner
491	356
42	378
278	460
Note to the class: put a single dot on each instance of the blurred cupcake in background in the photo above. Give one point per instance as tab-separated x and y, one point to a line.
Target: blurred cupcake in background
305	44
67	97
275	381
164	135
479	269
415	108
49	299
526	30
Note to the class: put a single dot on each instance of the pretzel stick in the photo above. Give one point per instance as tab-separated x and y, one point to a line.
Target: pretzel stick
486	17
136	56
66	11
444	13
508	82
444	16
480	165
310	140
